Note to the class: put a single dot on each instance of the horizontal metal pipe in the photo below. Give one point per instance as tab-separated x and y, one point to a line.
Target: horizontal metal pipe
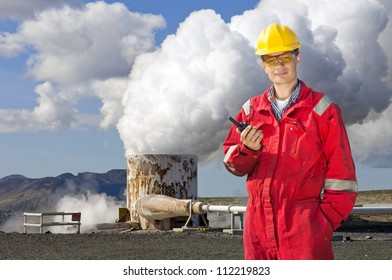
372	210
158	207
223	208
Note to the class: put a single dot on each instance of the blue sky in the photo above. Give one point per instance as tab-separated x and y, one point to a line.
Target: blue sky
73	79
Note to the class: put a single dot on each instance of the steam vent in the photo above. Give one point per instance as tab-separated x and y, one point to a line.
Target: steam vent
170	175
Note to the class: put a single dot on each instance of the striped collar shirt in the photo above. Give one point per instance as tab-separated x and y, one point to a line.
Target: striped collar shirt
293	98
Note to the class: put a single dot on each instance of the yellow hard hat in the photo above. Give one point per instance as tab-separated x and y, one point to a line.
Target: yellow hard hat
276	38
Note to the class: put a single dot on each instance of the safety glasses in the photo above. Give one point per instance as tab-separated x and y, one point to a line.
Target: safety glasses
284	58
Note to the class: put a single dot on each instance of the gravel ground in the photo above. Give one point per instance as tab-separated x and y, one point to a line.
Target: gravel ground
353	241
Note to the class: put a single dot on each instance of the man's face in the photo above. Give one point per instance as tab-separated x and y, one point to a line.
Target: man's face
281	67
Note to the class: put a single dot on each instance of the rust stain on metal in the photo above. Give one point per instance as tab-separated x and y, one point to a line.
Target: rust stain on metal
171	175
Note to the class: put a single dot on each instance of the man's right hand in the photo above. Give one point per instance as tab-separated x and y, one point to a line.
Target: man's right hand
251	138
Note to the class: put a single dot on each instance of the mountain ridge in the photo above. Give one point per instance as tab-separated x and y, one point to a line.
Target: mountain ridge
19	193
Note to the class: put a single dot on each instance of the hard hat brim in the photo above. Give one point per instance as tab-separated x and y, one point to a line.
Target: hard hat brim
277	50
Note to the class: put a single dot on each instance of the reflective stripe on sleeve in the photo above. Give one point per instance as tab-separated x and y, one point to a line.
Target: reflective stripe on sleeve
341	185
322	105
246	107
228	165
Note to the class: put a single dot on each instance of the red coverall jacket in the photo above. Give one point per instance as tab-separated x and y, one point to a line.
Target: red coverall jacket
301	185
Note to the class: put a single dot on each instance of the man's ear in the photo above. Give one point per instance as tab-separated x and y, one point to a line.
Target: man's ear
298	57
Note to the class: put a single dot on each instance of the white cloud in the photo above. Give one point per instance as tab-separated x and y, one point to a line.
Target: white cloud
371	140
385	40
22	9
10	44
55	111
99	41
76	53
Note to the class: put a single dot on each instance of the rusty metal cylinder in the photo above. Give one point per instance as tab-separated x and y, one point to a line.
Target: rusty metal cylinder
171	175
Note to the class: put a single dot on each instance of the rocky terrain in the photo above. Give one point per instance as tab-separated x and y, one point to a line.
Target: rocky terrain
353	241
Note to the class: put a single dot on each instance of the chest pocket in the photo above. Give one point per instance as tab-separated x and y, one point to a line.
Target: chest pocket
302	139
293	132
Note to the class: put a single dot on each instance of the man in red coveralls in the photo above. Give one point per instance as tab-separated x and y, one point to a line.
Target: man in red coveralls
301	177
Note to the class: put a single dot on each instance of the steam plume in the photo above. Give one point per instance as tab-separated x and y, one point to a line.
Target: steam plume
178	97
